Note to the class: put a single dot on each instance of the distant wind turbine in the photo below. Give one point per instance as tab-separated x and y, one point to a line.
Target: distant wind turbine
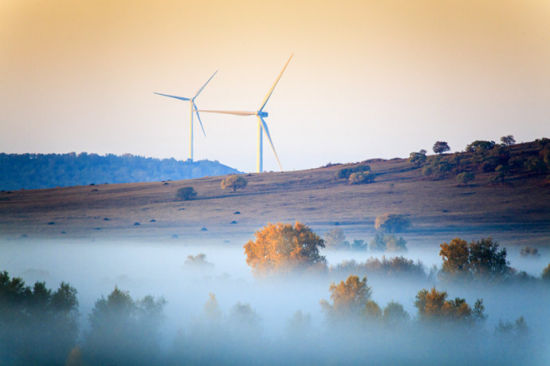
262	125
193	108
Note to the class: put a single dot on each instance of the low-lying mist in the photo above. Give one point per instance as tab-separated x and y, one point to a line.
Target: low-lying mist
200	303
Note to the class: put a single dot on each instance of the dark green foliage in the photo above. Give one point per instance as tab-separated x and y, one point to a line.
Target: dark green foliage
535	165
37	326
418	158
465	177
546	274
440	147
480	146
31	171
392	223
124	331
482	259
508	140
361	178
186	193
344	173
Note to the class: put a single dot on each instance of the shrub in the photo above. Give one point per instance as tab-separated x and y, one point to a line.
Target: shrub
440	147
361	178
418	158
284	247
234	182
392	223
186	193
480	146
344	173
546	274
465	177
427	170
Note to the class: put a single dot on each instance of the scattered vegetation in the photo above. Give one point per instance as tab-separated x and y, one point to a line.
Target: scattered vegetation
284	247
385	267
387	242
186	193
529	252
234	182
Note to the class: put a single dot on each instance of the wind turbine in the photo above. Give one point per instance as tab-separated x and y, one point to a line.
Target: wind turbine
193	108
262	125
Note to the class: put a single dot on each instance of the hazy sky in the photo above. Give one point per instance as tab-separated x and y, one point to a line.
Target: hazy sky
368	79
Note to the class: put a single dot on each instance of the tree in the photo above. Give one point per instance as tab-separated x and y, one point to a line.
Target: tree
482	259
349	298
392	223
234	182
508	140
335	239
418	158
465	177
284	247
394	314
123	330
440	147
37	325
546	274
433	306
186	193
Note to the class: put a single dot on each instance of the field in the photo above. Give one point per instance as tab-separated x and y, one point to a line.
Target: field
515	212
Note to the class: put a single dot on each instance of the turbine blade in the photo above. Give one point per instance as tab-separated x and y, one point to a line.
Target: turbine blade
199	118
274	84
237	113
264	126
202	87
172	96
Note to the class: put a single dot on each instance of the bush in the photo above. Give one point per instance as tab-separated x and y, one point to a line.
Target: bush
186	193
480	146
361	178
465	177
546	274
440	147
418	158
234	182
344	173
392	223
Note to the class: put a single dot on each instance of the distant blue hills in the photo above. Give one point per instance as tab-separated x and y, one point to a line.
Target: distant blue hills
33	171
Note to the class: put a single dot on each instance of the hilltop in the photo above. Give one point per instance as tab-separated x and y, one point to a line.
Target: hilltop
507	198
35	171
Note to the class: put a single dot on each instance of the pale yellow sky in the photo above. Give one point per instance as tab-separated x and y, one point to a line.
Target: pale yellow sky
369	78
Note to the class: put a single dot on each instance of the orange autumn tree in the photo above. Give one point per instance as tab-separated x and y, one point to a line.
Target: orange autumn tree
284	248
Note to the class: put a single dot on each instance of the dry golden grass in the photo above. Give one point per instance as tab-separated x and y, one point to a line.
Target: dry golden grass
517	211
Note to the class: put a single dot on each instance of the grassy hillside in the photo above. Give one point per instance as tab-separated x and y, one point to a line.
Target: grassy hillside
514	207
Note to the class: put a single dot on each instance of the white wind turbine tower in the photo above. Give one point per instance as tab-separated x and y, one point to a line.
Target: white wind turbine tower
193	108
262	125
